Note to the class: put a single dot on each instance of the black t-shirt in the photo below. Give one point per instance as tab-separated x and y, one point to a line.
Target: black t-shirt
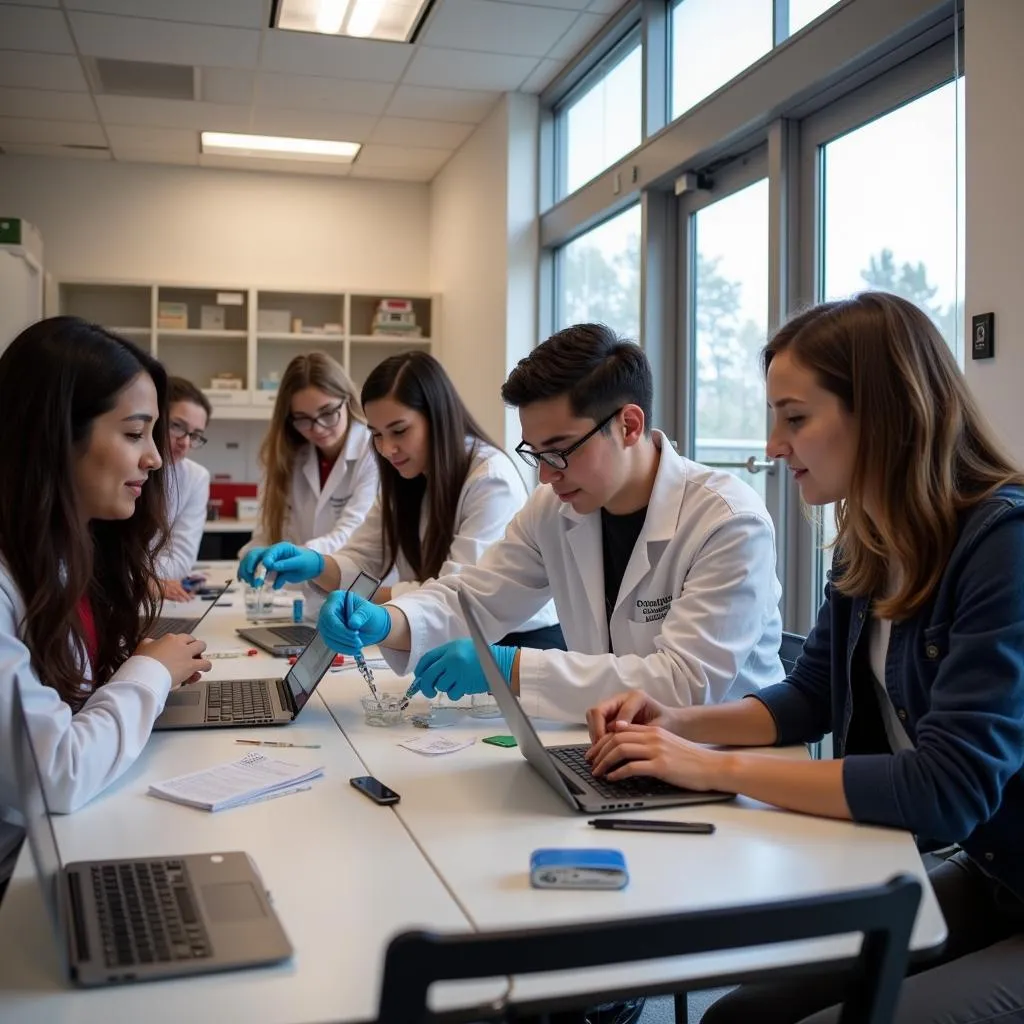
618	538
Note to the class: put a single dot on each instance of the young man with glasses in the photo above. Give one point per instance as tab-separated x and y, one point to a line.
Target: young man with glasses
662	570
188	486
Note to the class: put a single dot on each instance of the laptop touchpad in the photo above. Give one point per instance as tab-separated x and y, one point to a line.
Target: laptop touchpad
183	698
231	902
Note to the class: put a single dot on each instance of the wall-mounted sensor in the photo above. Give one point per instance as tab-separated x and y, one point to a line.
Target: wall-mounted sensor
983	336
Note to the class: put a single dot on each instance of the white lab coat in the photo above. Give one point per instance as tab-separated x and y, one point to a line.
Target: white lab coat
697	616
492	494
81	754
188	495
324	519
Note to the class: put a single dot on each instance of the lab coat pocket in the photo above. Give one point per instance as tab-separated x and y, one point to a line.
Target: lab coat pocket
642	634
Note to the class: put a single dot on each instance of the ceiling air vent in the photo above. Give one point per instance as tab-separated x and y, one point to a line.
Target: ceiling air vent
142	78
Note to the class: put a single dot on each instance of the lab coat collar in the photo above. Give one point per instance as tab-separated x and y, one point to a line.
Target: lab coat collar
355	445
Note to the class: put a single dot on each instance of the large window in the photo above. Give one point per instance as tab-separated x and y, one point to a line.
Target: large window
599	276
712	42
890	208
803	12
602	124
730	304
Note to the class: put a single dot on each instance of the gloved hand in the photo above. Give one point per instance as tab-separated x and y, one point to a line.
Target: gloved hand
455	669
348	623
291	563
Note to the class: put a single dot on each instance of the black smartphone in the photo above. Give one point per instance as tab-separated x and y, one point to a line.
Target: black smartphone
699	828
375	789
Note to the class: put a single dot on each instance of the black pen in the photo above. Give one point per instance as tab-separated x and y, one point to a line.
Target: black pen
700	828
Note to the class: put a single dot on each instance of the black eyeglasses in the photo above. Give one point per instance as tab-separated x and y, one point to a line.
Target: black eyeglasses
558	458
177	430
327	419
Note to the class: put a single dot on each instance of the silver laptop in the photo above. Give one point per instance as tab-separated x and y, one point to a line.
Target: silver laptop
220	703
162	626
286	640
144	919
565	769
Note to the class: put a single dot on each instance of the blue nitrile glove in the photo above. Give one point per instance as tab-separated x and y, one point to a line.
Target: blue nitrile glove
348	623
454	668
247	568
292	564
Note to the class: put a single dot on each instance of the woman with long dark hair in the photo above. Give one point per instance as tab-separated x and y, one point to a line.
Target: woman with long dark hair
447	492
82	517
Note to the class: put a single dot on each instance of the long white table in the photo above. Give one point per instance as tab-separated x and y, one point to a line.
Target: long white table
346	875
478	813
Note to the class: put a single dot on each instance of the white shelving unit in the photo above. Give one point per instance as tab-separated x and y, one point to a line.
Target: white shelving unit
242	347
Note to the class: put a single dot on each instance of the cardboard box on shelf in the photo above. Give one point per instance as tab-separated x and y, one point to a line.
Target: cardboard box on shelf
274	321
211	318
172	315
226	382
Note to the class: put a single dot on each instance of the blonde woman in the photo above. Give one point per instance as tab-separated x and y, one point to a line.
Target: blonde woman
319	469
915	665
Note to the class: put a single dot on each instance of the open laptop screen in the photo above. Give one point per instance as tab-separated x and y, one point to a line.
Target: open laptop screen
310	668
38	826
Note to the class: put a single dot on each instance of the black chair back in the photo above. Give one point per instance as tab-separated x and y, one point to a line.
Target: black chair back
790	649
884	914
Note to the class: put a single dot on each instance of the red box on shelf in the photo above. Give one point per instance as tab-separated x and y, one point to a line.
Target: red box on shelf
228	492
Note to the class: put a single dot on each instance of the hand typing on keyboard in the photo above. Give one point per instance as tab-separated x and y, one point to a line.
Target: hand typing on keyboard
632	750
180	654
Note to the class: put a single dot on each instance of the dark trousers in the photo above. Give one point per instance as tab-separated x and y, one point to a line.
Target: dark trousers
547	638
978	977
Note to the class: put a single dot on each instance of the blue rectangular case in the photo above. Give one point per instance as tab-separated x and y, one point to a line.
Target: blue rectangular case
578	869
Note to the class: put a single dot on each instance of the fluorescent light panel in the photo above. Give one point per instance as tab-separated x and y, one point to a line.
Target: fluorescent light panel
276	147
391	20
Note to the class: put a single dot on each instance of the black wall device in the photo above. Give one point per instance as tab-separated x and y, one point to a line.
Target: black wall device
983	336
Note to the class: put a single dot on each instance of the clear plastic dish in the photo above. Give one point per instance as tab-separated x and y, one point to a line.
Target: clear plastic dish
388	711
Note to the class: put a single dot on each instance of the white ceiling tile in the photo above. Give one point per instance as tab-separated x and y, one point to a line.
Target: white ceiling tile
243	163
32	3
134	110
392	173
305	53
497	27
237	13
542	76
44	103
103	35
129	155
565	5
373	155
30	28
461	69
41	71
305	92
461	105
57	133
172	141
403	131
605	6
313	124
31	149
583	29
226	85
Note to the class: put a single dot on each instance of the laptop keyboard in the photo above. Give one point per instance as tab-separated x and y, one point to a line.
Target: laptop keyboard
161	627
147	913
239	700
637	787
297	636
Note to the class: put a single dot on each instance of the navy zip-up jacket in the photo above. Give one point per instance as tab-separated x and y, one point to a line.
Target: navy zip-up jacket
955	675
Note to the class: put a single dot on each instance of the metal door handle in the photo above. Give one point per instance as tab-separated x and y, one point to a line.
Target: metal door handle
752	465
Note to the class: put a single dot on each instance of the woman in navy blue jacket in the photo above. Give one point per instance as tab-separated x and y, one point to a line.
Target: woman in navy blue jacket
915	664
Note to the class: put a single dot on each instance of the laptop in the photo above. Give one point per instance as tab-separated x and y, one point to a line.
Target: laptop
163	626
145	918
222	703
565	769
285	641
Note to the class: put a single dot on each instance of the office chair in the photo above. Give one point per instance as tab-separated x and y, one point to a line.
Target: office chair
789	650
884	914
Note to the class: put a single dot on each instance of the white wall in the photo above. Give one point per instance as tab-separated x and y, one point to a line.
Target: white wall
483	257
994	41
151	224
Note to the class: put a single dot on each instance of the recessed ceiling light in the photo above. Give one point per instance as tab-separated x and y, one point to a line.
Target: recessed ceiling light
276	147
391	20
